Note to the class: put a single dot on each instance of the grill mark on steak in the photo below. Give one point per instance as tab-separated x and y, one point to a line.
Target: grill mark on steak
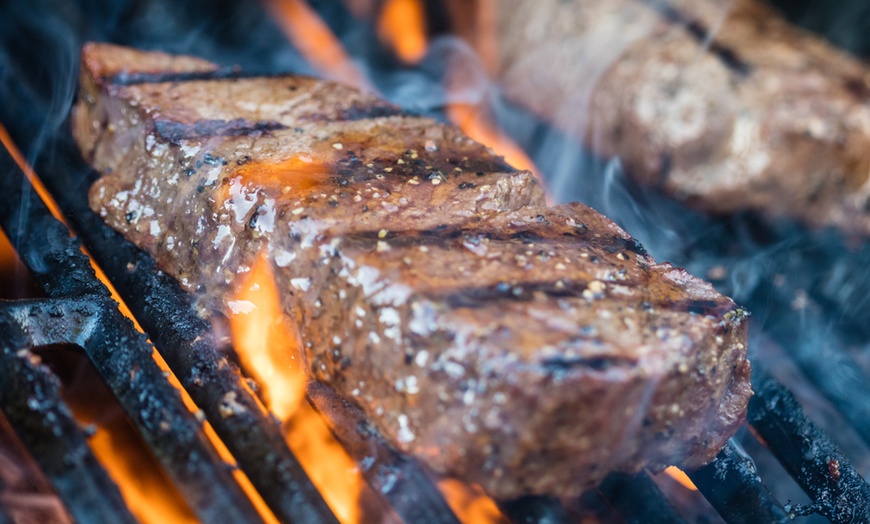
446	235
561	364
703	35
484	296
175	132
439	163
363	112
136	78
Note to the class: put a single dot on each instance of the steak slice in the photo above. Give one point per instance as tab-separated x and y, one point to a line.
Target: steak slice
528	349
725	105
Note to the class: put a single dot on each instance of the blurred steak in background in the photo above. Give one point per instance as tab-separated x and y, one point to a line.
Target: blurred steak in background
724	105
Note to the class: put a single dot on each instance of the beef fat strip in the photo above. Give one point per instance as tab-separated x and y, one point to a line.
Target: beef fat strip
526	348
725	105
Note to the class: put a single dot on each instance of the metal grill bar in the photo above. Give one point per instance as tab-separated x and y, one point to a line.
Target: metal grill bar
838	491
542	510
120	354
30	400
402	481
638	499
732	486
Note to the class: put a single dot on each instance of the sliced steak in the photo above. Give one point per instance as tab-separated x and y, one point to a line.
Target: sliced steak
725	105
524	348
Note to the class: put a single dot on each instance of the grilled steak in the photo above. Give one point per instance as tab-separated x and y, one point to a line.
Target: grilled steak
526	348
724	105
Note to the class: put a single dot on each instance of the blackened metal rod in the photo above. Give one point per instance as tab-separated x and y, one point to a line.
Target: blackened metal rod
732	486
402	481
30	399
537	510
120	354
638	500
838	491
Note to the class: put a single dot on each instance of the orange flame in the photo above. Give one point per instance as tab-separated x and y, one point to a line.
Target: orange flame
681	477
271	353
402	27
475	123
327	463
469	503
313	38
147	492
266	345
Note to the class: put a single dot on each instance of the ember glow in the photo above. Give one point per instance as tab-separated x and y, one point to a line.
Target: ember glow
681	477
402	27
267	347
270	350
146	490
315	41
474	122
469	503
327	463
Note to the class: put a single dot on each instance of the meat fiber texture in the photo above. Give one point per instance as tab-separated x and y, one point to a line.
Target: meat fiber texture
525	348
724	105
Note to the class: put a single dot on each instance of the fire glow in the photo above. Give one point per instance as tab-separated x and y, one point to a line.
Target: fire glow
271	351
402	26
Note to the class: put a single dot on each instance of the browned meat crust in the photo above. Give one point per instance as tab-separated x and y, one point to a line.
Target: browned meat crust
762	116
524	348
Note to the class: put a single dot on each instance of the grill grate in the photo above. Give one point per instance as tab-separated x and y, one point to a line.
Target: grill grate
734	488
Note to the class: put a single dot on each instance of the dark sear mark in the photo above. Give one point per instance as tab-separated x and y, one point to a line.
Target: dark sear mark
630	244
857	87
701	34
446	236
175	132
359	111
561	364
350	168
484	296
225	73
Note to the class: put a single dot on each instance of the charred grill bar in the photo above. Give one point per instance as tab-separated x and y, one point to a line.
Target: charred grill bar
402	481
732	485
838	491
31	402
